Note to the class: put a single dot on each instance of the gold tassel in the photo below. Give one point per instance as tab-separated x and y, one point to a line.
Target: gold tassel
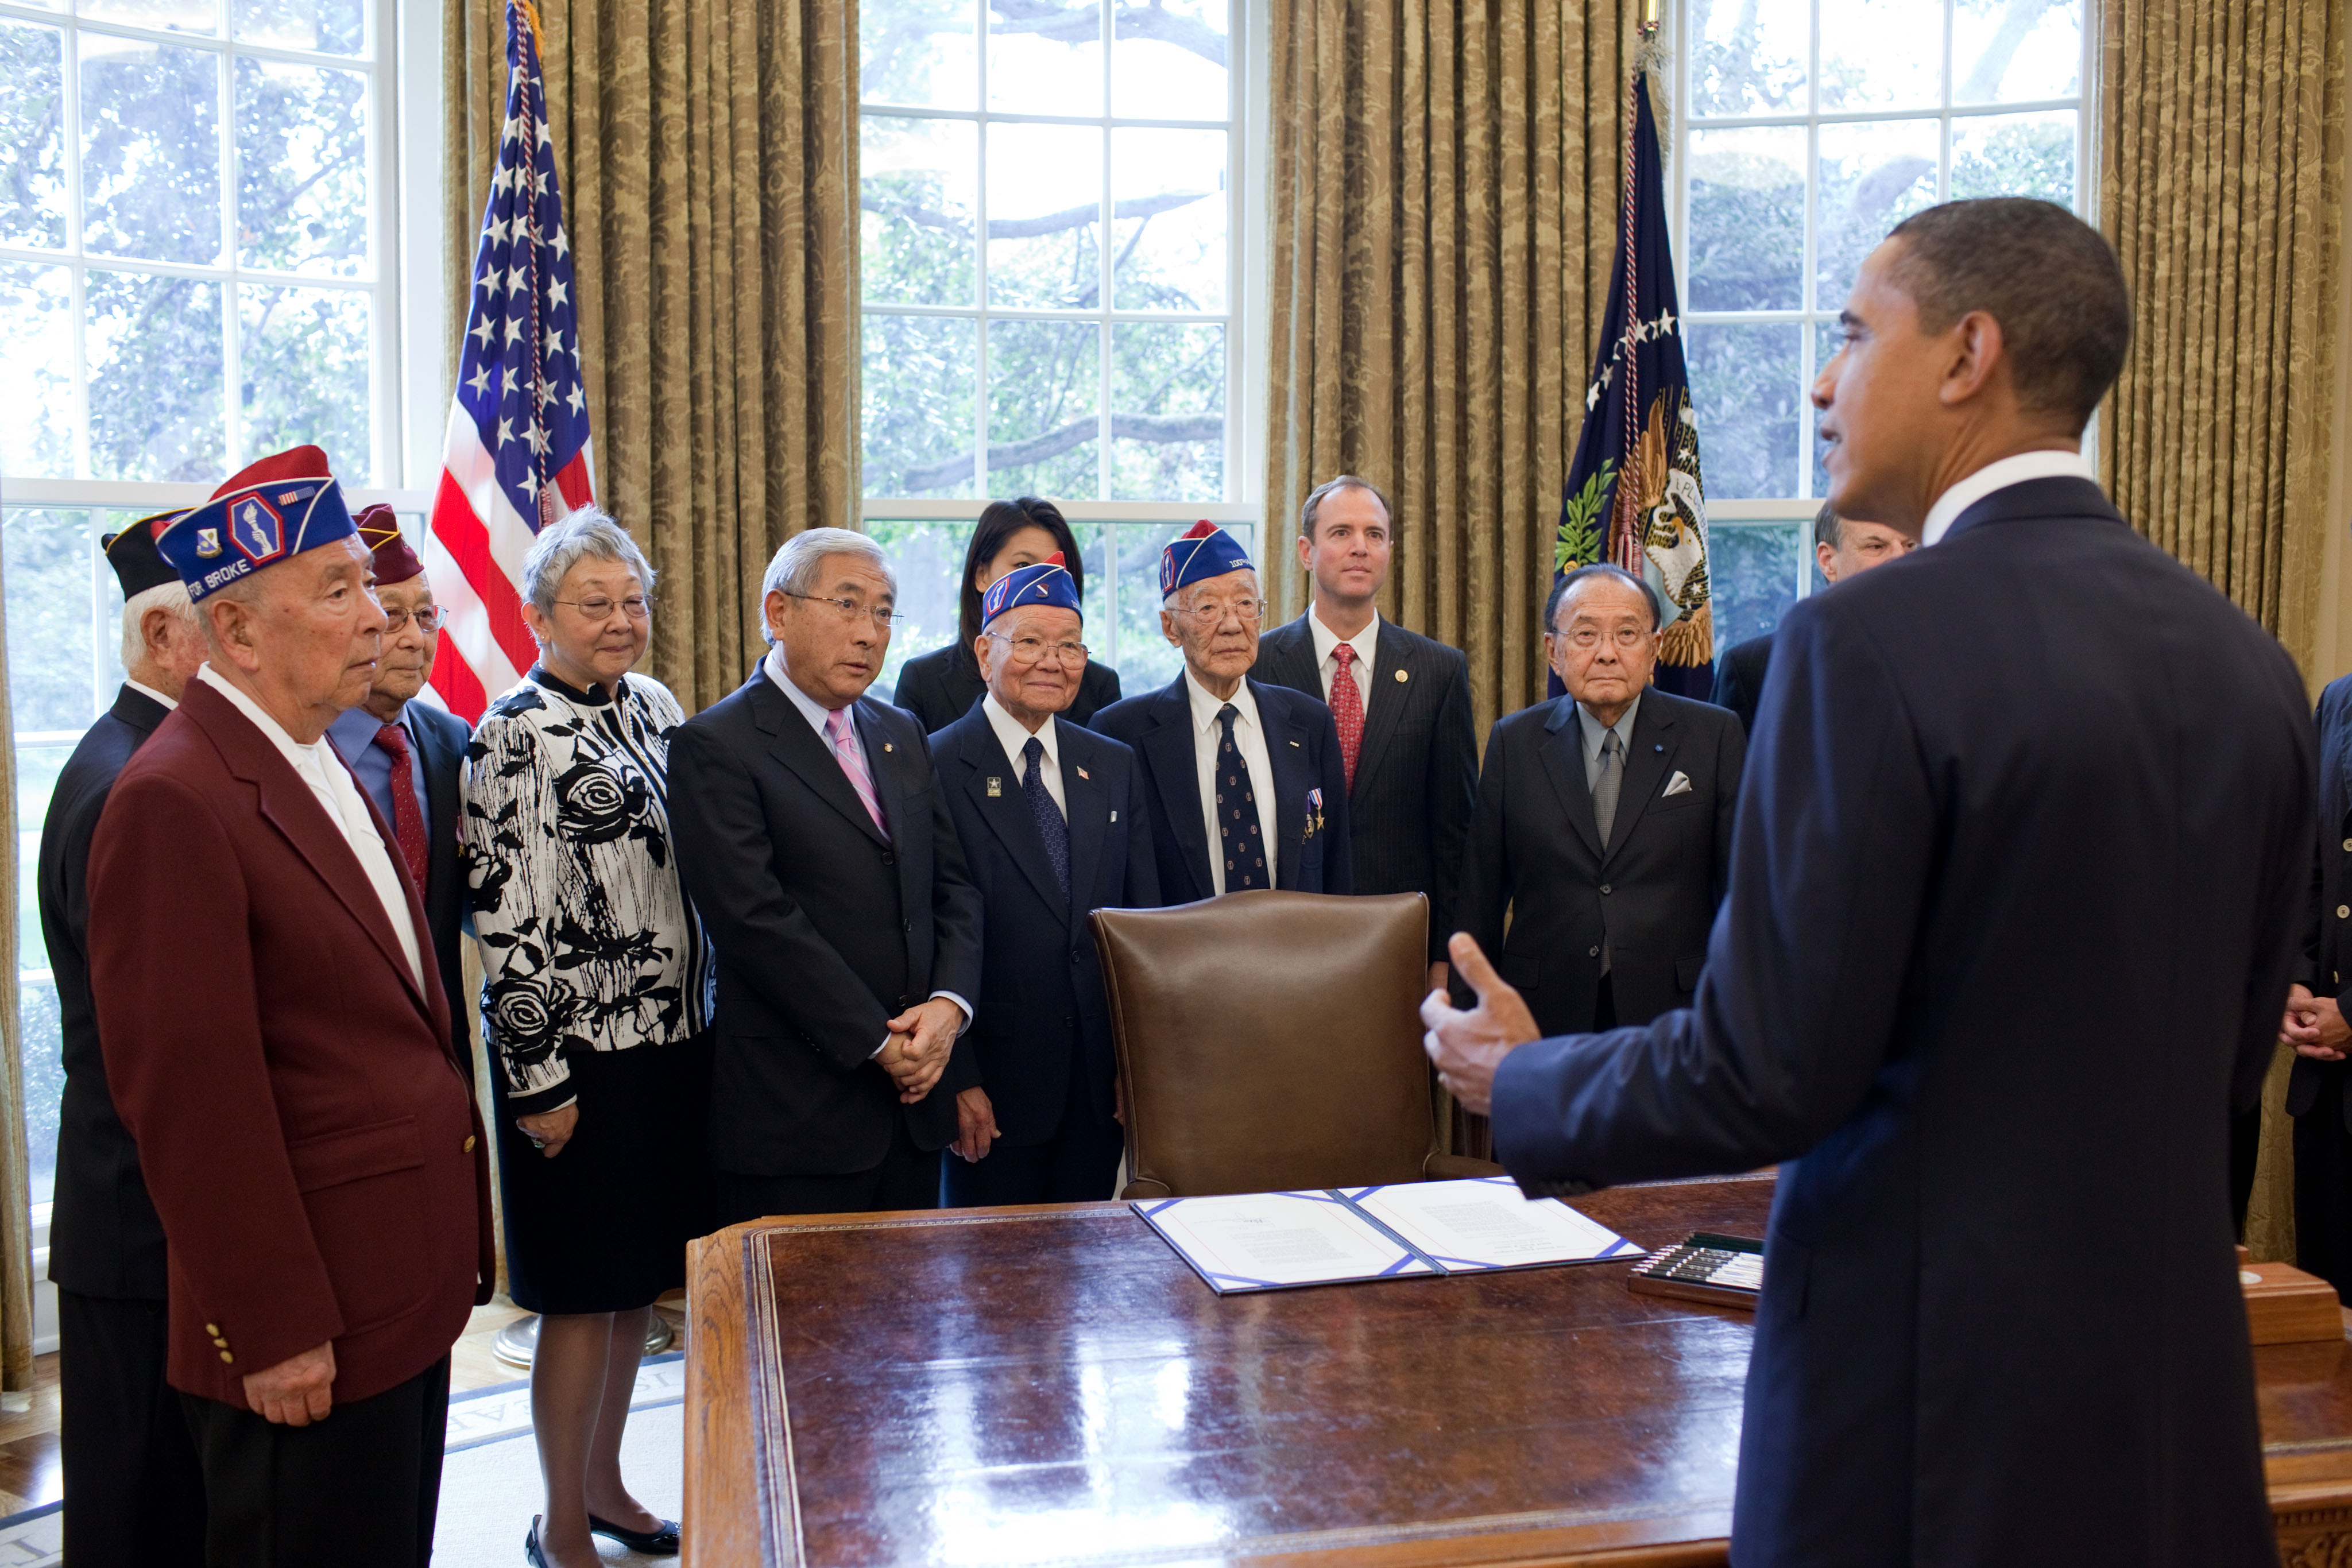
1689	642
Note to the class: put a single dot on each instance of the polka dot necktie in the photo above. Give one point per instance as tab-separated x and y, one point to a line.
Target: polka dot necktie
1347	709
1051	826
1244	846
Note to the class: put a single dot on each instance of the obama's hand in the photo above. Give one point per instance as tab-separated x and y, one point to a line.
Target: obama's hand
1466	1047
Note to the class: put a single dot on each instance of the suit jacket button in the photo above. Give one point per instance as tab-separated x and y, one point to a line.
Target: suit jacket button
1595	953
226	1357
212	1327
890	859
2347	844
907	926
2344	912
469	1143
221	1342
1605	887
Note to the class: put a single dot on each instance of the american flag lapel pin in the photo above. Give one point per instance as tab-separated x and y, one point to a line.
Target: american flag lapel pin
1087	776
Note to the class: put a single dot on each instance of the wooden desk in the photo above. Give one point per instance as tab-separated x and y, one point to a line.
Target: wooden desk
1051	1386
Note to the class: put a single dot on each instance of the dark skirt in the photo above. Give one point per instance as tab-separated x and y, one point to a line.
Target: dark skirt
603	1226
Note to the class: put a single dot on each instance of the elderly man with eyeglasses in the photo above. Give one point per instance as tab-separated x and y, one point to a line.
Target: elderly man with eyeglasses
1603	822
816	841
1244	782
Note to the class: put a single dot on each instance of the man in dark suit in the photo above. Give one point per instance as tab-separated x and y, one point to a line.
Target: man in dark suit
279	1044
1244	782
812	837
408	755
1401	702
2021	859
1842	547
1603	824
2319	1088
133	1492
1052	822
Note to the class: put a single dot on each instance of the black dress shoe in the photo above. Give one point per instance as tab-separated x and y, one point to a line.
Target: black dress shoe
531	1552
660	1542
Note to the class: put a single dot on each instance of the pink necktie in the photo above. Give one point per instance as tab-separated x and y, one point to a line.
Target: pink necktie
1347	708
853	762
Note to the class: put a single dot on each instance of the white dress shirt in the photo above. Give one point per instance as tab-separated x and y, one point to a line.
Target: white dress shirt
1999	475
339	796
817	714
151	694
1364	643
1249	739
1015	737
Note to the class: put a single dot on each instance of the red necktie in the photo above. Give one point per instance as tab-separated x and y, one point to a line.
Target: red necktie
1347	709
407	817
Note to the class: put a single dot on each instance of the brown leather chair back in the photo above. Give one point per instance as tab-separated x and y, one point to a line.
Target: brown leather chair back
1271	1040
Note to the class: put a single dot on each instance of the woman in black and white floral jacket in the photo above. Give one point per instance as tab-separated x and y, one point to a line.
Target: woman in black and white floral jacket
596	999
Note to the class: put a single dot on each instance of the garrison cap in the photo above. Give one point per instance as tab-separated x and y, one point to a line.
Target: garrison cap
271	512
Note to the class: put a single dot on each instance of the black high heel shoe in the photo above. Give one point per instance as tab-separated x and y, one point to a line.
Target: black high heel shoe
661	1543
530	1552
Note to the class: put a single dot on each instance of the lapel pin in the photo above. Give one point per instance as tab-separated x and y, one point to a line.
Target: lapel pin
1402	677
1659	748
995	788
1114	816
1293	743
886	745
1087	776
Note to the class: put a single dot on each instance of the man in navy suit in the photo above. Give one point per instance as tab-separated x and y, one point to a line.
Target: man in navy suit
2319	1090
1052	822
1244	782
2022	851
408	755
814	841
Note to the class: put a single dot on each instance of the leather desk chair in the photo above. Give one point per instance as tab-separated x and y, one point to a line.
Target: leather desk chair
1272	1040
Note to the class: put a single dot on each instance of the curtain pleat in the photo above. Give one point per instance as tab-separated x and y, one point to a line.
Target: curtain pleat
1443	197
707	154
2220	184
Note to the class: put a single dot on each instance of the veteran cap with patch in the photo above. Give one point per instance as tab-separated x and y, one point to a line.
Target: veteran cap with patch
138	564
273	511
1045	582
1204	550
396	559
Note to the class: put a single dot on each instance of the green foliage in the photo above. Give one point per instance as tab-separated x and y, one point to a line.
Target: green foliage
1579	540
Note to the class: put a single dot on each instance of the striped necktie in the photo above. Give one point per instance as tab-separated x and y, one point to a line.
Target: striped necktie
853	762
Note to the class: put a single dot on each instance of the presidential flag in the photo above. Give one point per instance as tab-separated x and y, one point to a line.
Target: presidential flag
1634	495
517	456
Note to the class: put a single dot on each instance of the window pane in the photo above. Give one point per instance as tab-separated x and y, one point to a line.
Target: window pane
36	432
2015	155
41	1049
327	27
52	570
2010	51
1147	660
1168	412
1168	60
179	15
154	357
1168	229
1882	54
1751	59
1045	386
151	150
1744	386
1872	176
32	136
919	183
1045	58
303	360
1045	210
1746	219
916	405
918	52
302	175
1752	569
928	560
1827	340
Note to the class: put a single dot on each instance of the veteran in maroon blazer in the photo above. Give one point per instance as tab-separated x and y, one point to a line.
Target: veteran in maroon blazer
279	1044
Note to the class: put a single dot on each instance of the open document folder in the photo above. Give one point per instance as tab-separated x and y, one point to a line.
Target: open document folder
1271	1240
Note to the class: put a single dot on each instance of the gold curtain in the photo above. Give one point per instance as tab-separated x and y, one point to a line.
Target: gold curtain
15	1180
2222	185
708	156
1442	206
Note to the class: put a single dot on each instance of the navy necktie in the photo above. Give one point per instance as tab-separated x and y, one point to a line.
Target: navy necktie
1050	824
1245	847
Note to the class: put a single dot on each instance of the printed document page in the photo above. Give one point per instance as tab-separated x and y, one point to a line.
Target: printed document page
1259	1241
1487	1223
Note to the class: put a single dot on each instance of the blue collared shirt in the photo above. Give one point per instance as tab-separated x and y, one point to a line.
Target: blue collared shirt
354	735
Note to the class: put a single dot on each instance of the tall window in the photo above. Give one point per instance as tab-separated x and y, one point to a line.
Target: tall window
1049	235
195	262
1806	129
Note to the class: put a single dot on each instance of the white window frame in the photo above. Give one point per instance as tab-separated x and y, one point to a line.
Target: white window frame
1243	317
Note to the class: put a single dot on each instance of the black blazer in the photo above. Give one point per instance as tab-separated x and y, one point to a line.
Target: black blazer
942	685
104	1237
1417	771
1041	989
441	738
823	929
1739	678
1535	851
2022	855
2327	958
1303	746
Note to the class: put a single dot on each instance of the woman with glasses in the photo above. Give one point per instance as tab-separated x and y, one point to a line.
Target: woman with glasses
595	999
940	687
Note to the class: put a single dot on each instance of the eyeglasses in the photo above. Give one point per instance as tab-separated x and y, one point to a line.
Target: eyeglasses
600	608
881	615
431	618
1627	638
1206	616
1027	651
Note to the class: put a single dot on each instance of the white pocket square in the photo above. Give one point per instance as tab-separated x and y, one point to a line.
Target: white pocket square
1678	785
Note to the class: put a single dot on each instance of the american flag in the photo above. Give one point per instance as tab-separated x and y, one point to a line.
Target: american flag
518	455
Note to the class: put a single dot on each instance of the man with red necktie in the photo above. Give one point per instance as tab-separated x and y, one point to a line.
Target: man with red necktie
407	754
